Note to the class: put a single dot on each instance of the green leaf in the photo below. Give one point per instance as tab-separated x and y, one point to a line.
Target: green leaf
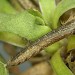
61	8
5	7
71	42
47	8
13	39
35	13
3	70
24	25
59	66
53	48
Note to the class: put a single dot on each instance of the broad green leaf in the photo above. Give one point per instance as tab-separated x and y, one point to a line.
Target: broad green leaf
24	25
3	69
61	8
5	7
59	66
47	8
71	42
10	37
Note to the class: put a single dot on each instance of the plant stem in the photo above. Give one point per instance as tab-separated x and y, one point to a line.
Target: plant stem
43	42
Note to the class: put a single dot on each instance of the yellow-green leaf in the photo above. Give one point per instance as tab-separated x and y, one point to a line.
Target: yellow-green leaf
59	66
47	8
24	25
71	42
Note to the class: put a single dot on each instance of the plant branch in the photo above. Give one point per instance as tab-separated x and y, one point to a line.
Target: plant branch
43	42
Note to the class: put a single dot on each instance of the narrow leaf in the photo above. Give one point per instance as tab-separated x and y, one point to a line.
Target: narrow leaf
47	8
59	66
71	42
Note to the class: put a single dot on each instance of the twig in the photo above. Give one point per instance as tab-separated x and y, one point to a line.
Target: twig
43	42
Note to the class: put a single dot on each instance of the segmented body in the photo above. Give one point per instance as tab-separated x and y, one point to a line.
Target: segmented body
44	41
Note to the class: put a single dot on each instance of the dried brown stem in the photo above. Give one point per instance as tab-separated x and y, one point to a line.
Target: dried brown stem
43	42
